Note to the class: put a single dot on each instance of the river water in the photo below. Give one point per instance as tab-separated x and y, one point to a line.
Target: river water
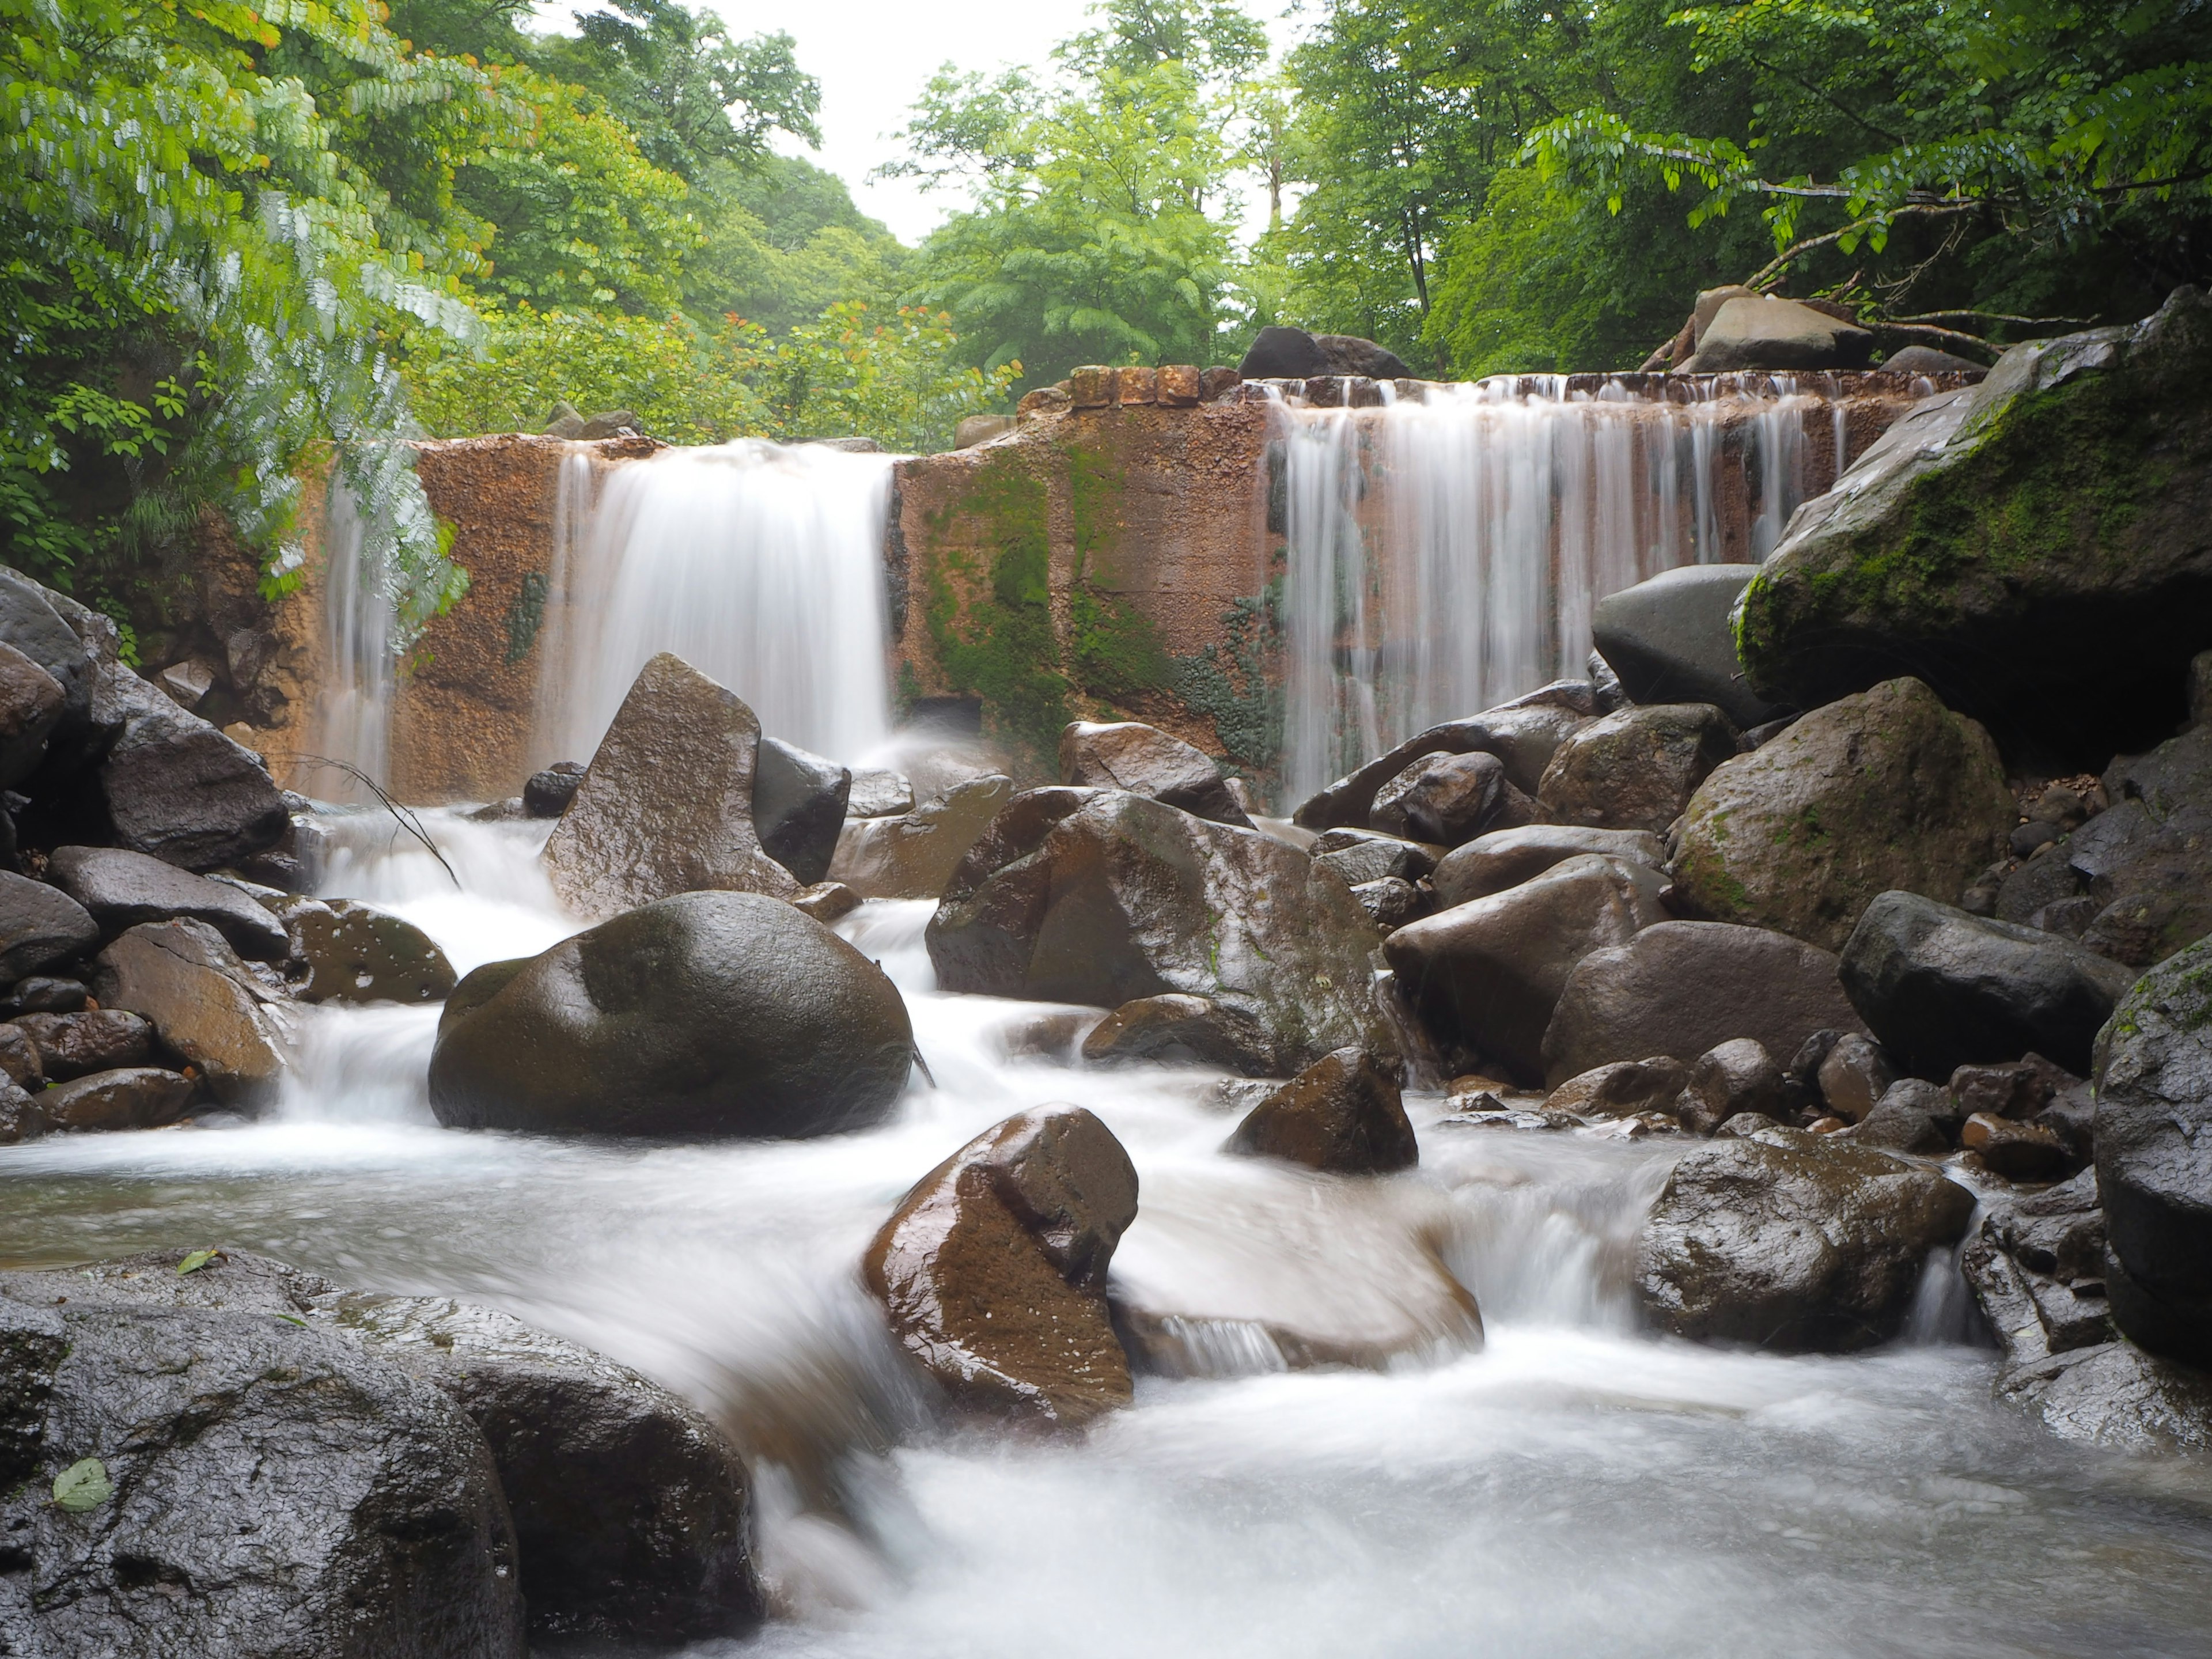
1570	1488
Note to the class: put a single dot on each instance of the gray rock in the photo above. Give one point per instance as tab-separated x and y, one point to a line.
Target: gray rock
131	1098
1764	330
1523	734
1669	639
1637	767
913	856
799	807
32	702
33	626
1854	1075
1912	1116
1927	360
206	1005
1624	1088
39	926
1146	761
1505	858
1364	856
878	792
547	793
20	1120
1446	799
2148	861
1943	989
1278	353
2116	1396
120	888
92	1040
178	789
41	994
1391	902
19	1059
1728	1080
1344	1115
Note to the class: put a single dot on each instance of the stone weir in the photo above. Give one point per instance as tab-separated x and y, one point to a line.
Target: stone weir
1120	553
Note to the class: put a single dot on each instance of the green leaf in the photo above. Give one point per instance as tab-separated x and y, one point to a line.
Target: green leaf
196	1261
83	1485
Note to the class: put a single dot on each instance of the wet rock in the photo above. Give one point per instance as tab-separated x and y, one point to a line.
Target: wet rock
547	793
42	994
1181	1031
39	926
177	788
799	807
1146	761
271	1491
2017	1152
357	953
914	855
992	1268
1291	354
1489	973
120	888
1524	734
32	702
666	804
20	1120
132	1098
827	901
1505	858
205	1004
1790	1241
1884	791
33	627
2019	1088
1854	1075
1366	855
1954	554
1102	897
1446	799
1727	1079
1670	640
2036	1265
711	1013
878	792
1694	985
1764	330
1637	767
1391	902
2116	1396
19	1059
1943	989
95	1039
1623	1089
2153	1149
2147	862
1343	1114
1912	1116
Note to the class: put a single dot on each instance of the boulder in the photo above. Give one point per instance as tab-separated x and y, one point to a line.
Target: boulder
94	1040
39	926
1764	330
1146	761
799	807
1278	353
2146	863
710	1013
912	856
666	806
1392	902
1728	1080
1489	974
41	994
1694	985
2153	1149
2032	548
1186	1030
1102	897
878	792
827	901
1912	1116
33	627
1625	1088
203	1001
547	793
177	788
120	888
1446	799
1505	858
992	1268
19	1059
1524	734
1942	989
1343	1114
1927	360
132	1098
1366	855
2036	1265
20	1120
1789	1241
2017	1152
1854	1075
1637	767
357	953
1670	639
2116	1396
32	702
232	1483
1887	790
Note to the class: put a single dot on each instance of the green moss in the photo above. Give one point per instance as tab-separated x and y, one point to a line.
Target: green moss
1116	648
525	616
1229	685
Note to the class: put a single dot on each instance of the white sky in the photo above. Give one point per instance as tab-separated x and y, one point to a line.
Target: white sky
872	58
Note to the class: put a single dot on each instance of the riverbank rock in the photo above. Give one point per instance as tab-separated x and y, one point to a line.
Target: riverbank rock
35	629
1727	1080
1764	330
1489	974
2146	863
912	855
992	1268
1278	353
1637	767
1941	989
799	807
666	804
2032	548
1146	761
186	1480
711	1013
91	1040
1888	790
1789	1241
1102	897
1524	734
1364	855
120	888
355	952
31	705
546	794
39	926
1625	1088
1670	639
1506	858
1343	1114
204	1002
1446	799
1181	1031
132	1098
178	789
2154	1145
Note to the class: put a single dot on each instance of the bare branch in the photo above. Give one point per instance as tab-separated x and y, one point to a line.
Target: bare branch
1781	262
406	818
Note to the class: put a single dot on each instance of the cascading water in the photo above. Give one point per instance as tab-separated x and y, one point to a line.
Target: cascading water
759	564
1445	553
353	706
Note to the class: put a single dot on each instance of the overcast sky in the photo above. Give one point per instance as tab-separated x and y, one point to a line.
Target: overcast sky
873	57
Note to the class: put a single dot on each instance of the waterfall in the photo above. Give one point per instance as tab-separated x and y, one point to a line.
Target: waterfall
353	707
1446	554
760	565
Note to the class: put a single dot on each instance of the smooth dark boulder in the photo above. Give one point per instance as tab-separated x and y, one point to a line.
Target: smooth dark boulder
177	788
120	888
19	1058
711	1013
1343	1114
34	625
39	926
131	1098
1727	1080
1767	332
1446	799
547	793
1177	1030
1491	863
1278	353
1625	1088
91	1040
1637	767
2148	861
1912	1116
1943	989
1524	734
32	702
1366	855
203	1001
20	1120
1146	761
1669	639
799	807
1694	985
1784	1240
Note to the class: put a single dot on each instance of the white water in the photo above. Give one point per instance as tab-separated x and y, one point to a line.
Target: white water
353	706
1572	1488
760	565
1445	555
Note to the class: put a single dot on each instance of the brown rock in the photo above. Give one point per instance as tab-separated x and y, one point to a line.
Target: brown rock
207	1006
1446	799
2017	1152
2014	1089
20	1120
1091	387
1177	1030
1218	382
32	702
120	888
1491	863
666	806
137	1097
828	902
1364	855
1728	1079
1044	400
1146	761
1134	384
1343	1114
1855	1075
39	926
355	953
19	1059
1391	902
1623	1089
1177	385
1523	734
1637	767
1912	1116
97	1040
992	1268
913	856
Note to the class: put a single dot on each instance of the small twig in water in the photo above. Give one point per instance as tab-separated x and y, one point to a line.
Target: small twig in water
923	1067
406	818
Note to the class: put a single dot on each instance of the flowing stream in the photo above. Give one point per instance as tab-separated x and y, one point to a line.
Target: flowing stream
1573	1487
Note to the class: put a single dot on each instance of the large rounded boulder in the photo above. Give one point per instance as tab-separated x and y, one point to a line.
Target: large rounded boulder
713	1013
